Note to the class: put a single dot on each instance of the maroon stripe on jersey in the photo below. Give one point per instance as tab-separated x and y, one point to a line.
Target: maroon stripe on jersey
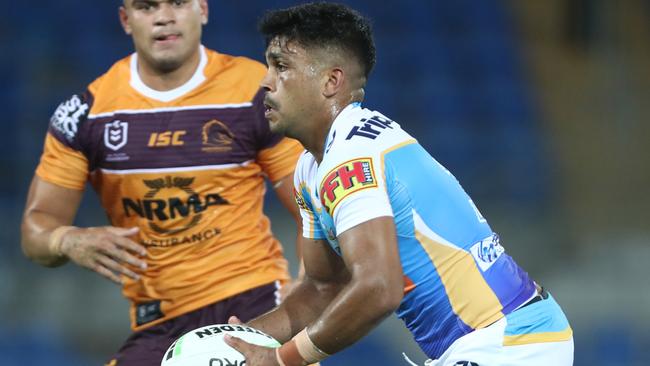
186	137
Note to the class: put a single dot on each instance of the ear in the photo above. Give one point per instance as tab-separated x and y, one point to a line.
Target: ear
334	82
204	11
124	20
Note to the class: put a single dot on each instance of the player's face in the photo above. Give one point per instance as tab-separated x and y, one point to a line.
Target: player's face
293	94
166	33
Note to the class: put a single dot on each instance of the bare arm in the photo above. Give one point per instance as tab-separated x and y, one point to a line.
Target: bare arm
351	298
375	289
48	207
104	250
325	276
284	191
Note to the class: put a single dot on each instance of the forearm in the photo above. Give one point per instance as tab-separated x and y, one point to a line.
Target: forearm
36	230
358	308
304	305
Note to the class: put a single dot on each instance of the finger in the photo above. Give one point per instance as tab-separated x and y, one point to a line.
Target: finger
237	343
114	266
121	231
234	320
116	251
108	274
131	246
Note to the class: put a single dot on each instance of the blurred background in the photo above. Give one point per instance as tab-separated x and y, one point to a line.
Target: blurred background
537	107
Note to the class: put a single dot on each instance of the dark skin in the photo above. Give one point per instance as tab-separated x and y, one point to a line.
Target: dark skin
340	299
166	35
106	250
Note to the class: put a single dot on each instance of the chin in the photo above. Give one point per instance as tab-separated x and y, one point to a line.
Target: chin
276	127
168	63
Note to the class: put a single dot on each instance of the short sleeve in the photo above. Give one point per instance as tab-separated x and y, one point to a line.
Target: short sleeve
280	160
63	162
311	227
62	165
355	192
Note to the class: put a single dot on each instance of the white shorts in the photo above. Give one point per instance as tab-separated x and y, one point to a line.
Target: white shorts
535	335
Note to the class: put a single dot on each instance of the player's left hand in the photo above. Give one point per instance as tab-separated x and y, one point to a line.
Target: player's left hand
255	355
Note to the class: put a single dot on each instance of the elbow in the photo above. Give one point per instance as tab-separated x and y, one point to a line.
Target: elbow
386	296
392	299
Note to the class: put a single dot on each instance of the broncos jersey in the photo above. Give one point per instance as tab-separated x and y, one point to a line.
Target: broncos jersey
186	166
457	276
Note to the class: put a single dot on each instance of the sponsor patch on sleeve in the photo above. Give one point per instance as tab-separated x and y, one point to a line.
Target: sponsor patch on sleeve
346	179
68	115
300	201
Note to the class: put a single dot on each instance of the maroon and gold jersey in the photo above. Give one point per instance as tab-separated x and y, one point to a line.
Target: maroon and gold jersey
187	167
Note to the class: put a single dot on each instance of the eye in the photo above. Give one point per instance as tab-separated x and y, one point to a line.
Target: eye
178	3
281	67
142	5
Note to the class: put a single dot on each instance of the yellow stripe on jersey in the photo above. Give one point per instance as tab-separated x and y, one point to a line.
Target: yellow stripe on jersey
546	337
469	295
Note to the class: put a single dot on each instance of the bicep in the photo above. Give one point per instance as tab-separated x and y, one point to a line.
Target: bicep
322	264
371	247
284	191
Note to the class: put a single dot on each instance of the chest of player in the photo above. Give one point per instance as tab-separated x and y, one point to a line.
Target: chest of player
166	139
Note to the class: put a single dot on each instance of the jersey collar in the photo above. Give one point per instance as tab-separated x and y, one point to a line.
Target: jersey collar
168	95
343	115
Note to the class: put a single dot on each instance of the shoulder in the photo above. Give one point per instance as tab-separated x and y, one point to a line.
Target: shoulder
362	132
236	67
306	162
118	74
71	114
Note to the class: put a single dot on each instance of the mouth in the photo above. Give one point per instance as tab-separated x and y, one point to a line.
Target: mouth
165	38
269	108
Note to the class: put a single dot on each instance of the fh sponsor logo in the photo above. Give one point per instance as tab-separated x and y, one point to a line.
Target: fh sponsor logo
346	179
116	135
167	138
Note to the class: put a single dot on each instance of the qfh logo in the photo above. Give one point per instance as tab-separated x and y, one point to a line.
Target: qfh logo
345	179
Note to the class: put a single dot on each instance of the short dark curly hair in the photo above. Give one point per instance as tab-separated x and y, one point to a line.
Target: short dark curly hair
323	24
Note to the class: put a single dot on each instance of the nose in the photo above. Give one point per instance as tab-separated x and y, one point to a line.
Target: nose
268	81
164	14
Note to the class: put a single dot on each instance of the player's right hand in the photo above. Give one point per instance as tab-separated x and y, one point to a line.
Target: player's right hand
106	250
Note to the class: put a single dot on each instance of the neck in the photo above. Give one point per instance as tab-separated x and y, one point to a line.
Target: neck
167	80
315	143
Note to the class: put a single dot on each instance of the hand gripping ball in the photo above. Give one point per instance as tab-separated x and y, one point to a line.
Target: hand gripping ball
205	346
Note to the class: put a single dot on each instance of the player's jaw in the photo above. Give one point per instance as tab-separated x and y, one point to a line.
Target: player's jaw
168	50
272	114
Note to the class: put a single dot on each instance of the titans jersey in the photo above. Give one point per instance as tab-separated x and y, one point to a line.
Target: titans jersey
186	166
457	277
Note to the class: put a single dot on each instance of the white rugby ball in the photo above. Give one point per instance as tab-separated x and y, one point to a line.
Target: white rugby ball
205	346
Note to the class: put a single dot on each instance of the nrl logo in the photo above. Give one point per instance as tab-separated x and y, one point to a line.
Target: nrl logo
116	134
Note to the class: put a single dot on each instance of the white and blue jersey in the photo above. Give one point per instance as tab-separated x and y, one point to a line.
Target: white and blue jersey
457	276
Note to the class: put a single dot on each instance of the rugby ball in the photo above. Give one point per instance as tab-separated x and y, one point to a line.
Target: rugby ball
205	346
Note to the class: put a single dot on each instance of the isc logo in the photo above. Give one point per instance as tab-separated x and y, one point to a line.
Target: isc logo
167	138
